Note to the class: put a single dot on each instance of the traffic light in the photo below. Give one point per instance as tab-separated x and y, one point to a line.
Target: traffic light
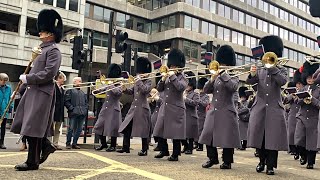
206	54
78	54
208	46
121	46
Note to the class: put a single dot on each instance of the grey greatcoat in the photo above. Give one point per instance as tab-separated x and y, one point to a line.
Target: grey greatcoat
267	115
171	122
221	125
307	121
35	111
244	114
154	115
292	119
139	112
192	101
109	118
203	103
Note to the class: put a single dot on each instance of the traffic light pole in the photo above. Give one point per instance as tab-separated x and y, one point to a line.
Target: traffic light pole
110	39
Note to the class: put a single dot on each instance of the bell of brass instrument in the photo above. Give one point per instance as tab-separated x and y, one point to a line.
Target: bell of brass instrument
270	59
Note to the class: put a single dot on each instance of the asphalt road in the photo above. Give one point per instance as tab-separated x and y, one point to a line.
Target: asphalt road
90	164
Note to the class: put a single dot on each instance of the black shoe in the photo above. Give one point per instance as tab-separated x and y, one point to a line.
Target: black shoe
111	149
142	153
162	154
296	157
184	149
256	154
310	166
188	152
101	147
26	167
270	172
303	161
123	150
45	153
75	146
173	158
156	148
199	149
2	146
225	166
209	163
260	167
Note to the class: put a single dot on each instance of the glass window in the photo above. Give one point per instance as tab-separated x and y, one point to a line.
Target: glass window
220	9
286	34
188	2
226	34
196	3
164	24
241	17
194	50
187	22
155	26
213	6
106	15
62	4
212	30
172	22
234	37
98	13
50	2
195	24
206	5
260	25
248	20
247	41
220	32
254	22
73	5
204	27
265	26
240	39
187	48
253	42
87	10
227	12
276	31
235	15
121	19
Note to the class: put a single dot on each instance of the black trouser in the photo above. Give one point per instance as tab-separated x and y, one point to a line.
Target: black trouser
156	139
268	157
188	144
36	145
103	141
200	146
126	139
3	130
293	149
163	145
310	156
227	154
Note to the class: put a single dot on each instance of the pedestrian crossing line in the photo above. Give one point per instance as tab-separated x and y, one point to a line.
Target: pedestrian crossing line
115	167
12	154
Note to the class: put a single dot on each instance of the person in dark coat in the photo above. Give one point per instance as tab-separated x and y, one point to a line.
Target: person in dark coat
202	105
244	114
137	122
294	108
267	128
307	118
221	124
58	116
171	122
109	118
191	99
40	93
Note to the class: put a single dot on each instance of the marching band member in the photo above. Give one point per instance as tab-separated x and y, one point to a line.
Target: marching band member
307	118
267	128
191	99
221	127
137	122
294	108
244	114
171	122
316	77
109	118
40	93
203	104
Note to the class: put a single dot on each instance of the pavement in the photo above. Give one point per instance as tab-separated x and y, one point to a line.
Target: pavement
91	164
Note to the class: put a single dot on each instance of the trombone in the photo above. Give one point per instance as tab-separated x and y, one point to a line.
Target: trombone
103	80
312	59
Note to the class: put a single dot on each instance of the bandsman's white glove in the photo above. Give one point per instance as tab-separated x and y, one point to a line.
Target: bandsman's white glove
23	78
170	73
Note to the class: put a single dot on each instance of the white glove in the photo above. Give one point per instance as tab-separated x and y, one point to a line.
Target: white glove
170	73
156	98
138	77
253	70
12	94
23	78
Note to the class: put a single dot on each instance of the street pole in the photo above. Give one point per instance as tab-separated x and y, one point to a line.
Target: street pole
110	39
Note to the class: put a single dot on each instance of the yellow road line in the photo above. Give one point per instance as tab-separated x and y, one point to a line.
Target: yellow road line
13	154
52	168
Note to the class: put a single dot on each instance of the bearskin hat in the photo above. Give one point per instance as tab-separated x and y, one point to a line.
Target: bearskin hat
242	91
192	81
176	58
297	77
308	70
143	65
314	8
114	71
202	82
272	44
50	21
226	55
291	84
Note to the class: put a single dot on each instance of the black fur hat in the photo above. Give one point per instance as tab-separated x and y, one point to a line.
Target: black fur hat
272	44
158	78
176	58
226	55
242	91
202	82
314	8
192	81
297	77
308	70
114	71
143	65
49	20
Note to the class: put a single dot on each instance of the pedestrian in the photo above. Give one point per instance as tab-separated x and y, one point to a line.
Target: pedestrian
171	122
244	114
221	124
191	99
34	115
5	93
202	105
109	118
58	117
137	122
77	105
267	128
308	117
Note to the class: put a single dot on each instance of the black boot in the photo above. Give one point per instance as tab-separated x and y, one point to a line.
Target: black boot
111	149
243	145
310	166
143	153
102	146
1	144
200	147
210	163
303	160
260	167
46	152
185	148
26	167
188	151
173	158
225	166
124	150
196	145
270	171
162	154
